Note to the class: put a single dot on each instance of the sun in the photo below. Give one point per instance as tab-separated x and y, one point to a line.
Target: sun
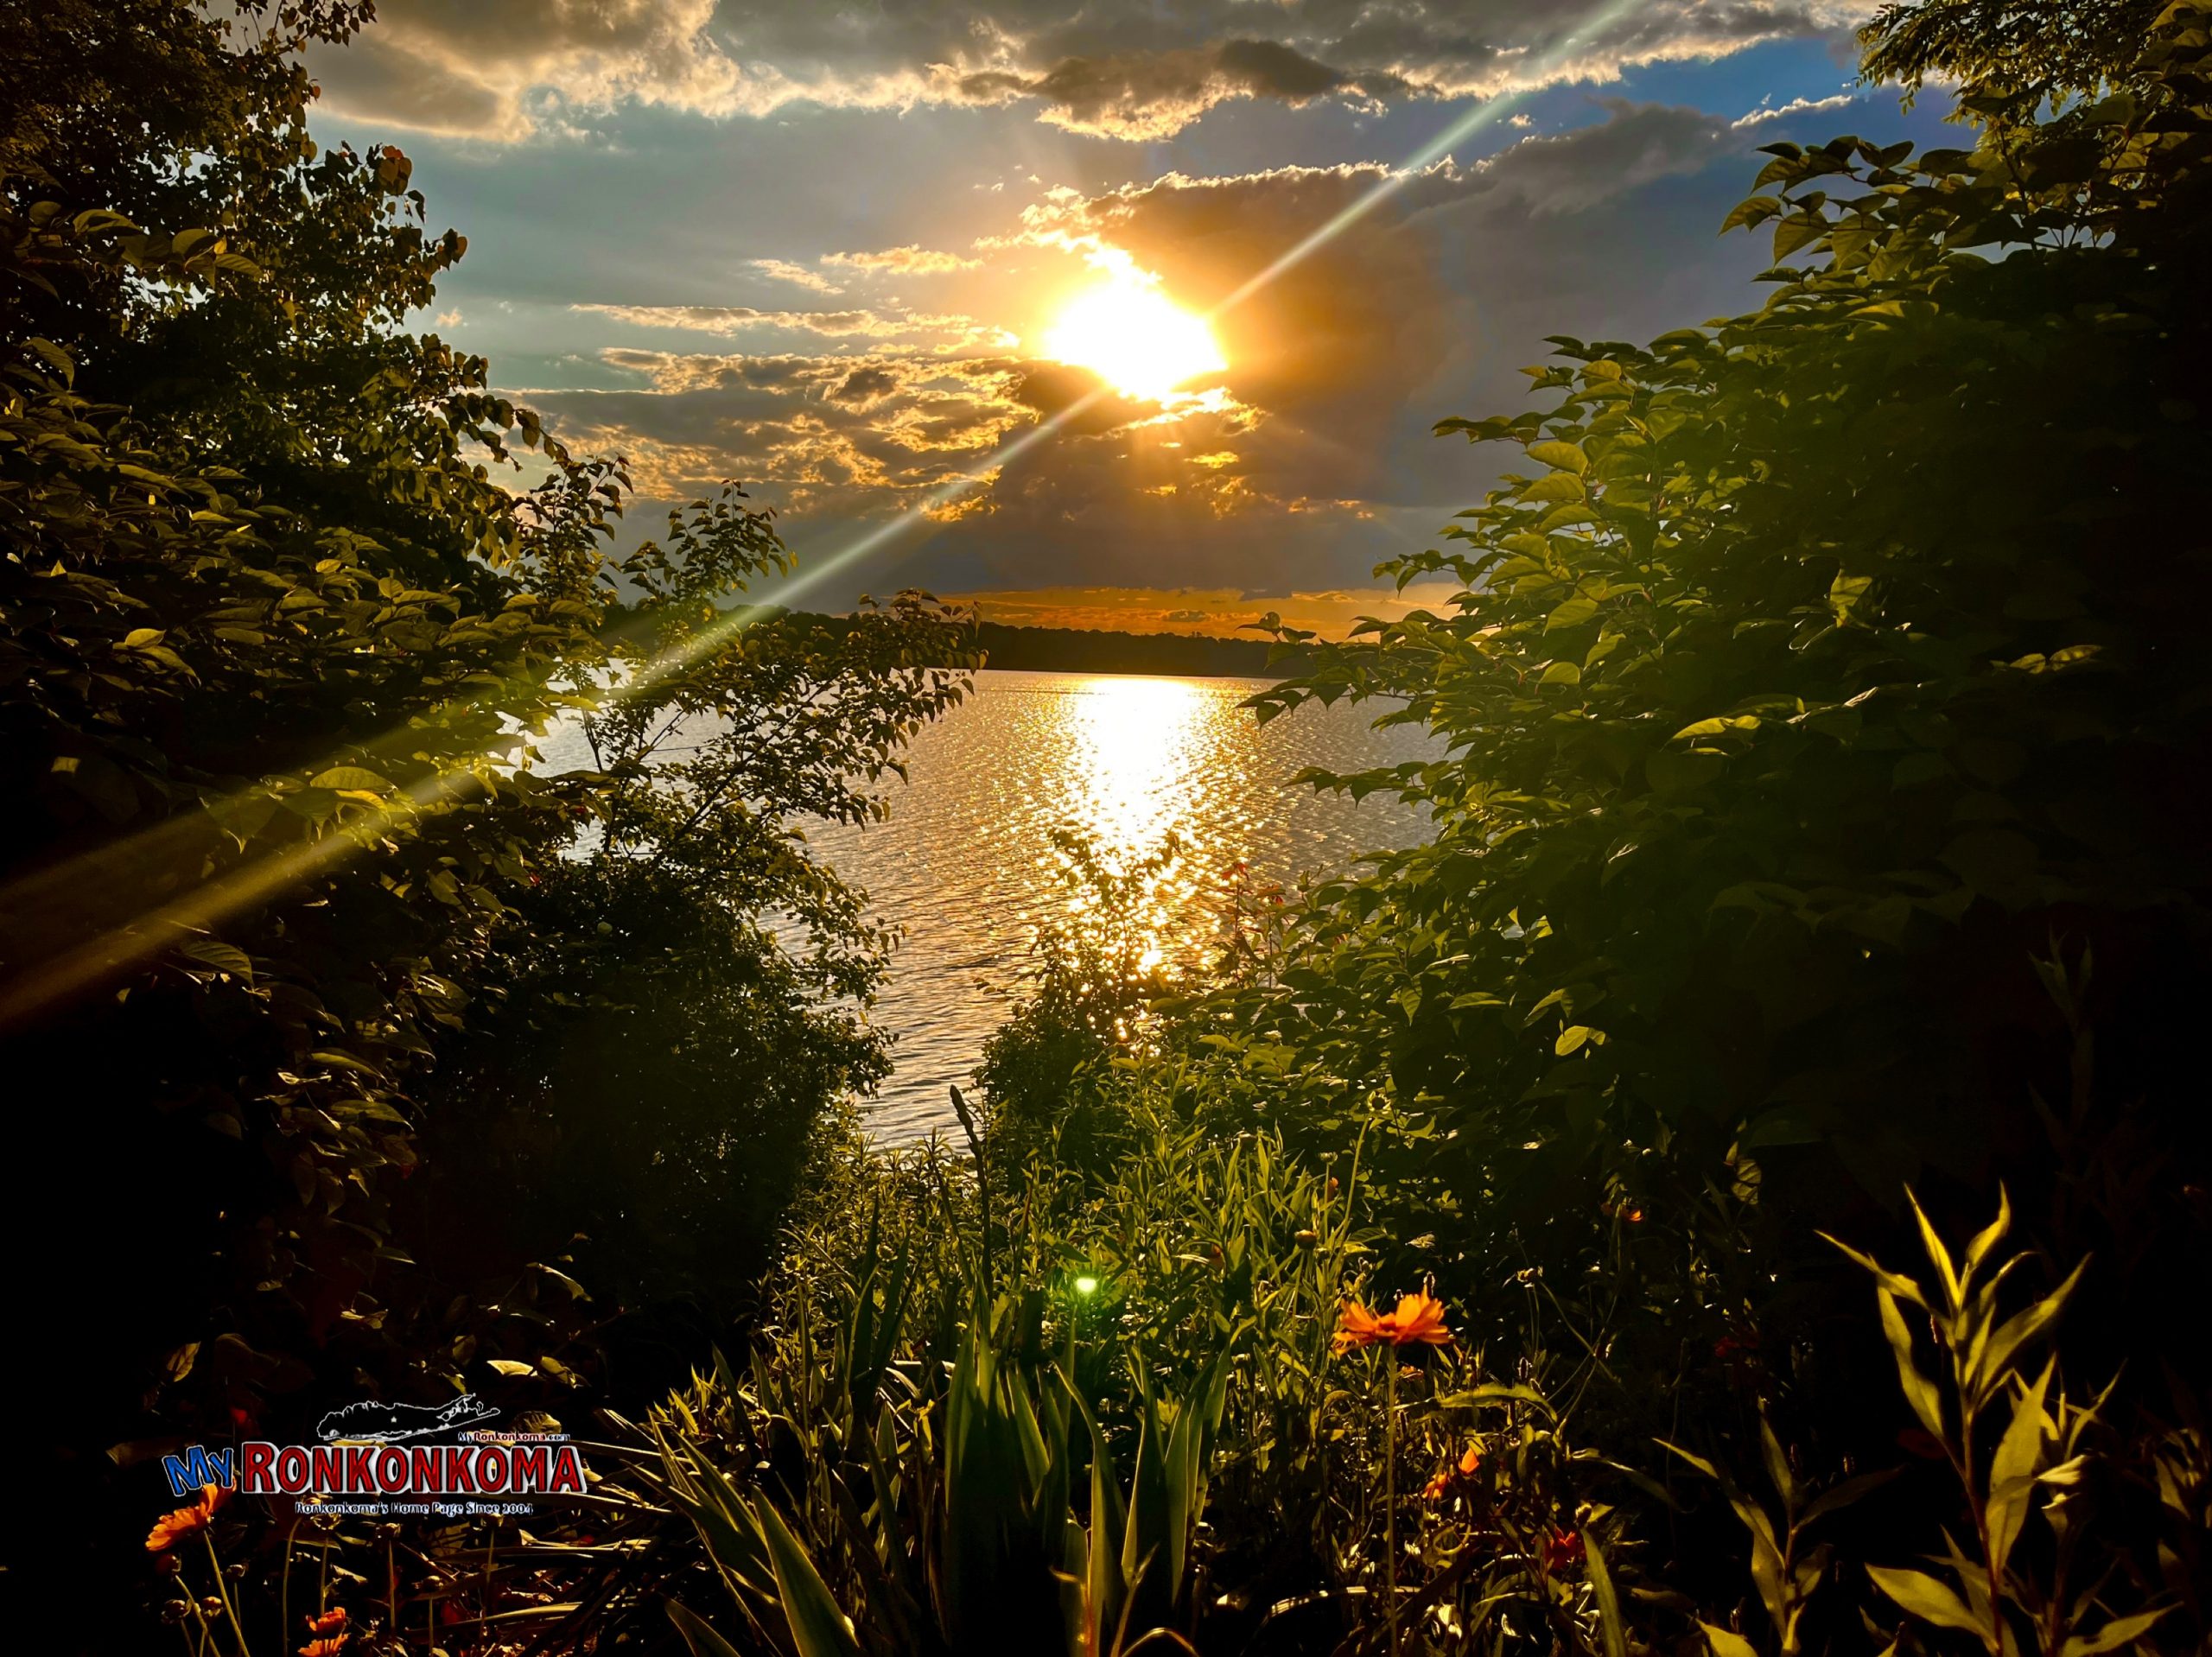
1132	335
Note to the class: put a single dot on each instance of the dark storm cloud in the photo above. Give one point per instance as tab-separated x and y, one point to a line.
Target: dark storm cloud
504	69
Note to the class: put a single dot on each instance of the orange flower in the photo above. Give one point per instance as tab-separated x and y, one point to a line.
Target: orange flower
1419	1321
185	1522
1437	1488
325	1647
1562	1551
329	1622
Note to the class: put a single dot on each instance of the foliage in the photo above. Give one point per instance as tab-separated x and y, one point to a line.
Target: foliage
1827	753
286	592
2010	57
2038	1468
1147	1429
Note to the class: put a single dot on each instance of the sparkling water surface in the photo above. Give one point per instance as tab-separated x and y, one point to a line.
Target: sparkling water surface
966	865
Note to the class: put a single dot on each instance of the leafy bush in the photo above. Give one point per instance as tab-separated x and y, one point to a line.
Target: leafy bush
276	635
1827	761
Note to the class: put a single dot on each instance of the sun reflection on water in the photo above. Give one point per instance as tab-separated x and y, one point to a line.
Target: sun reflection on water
1136	750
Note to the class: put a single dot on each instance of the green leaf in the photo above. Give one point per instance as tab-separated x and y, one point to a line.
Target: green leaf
223	957
1609	1625
1573	614
1755	209
1566	457
1794	232
818	1628
1903	1288
702	1640
1698	1462
1495	1392
2022	1328
1919	1392
1554	486
1924	1596
1722	1642
350	779
2012	1470
2121	1631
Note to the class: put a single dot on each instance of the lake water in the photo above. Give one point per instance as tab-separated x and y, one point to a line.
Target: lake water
967	868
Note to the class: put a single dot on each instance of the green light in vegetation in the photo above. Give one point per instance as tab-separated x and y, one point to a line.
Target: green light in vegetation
1086	1285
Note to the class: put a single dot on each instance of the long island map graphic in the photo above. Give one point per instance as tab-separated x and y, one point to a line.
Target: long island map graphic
370	1422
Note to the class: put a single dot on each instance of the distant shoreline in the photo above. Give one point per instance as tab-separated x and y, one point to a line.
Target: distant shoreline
1080	649
1083	649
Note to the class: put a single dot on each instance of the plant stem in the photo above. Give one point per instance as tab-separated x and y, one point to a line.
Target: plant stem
484	1601
284	1586
223	1592
1391	1495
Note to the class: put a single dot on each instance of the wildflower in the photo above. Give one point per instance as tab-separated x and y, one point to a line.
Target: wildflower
1419	1321
1562	1549
329	1622
1440	1485
328	1646
185	1521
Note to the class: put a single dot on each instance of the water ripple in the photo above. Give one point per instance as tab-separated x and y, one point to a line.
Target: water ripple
967	868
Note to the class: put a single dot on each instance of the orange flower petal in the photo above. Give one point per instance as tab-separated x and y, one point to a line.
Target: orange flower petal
1420	1320
1357	1326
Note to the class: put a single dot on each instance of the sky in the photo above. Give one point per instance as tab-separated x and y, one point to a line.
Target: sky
916	273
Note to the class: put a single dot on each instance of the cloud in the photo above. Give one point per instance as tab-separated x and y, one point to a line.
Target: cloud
1154	94
907	261
1795	106
1299	466
506	69
797	275
831	438
948	331
864	386
494	69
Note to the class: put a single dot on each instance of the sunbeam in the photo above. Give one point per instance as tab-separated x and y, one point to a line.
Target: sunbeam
137	938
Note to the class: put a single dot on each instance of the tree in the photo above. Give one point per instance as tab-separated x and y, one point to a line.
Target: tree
277	623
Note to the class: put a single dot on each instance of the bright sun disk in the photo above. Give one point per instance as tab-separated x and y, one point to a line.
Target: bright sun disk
1133	336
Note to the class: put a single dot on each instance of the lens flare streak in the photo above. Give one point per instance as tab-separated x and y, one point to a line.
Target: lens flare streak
42	984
